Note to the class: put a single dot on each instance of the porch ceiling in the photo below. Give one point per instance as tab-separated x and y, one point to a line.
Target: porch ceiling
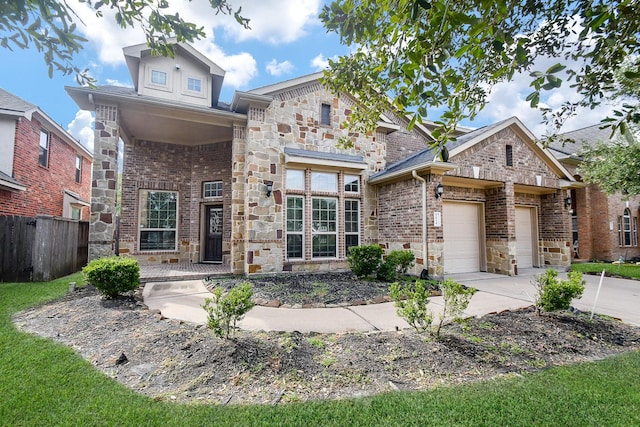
173	127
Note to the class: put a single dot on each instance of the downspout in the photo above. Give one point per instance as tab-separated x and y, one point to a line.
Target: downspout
424	218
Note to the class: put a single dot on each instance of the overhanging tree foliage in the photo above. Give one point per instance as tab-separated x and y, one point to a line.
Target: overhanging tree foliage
51	27
448	53
614	165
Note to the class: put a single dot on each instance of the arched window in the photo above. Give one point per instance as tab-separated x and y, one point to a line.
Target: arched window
627	229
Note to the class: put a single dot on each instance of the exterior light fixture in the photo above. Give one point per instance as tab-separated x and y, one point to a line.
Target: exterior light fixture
439	191
269	188
567	202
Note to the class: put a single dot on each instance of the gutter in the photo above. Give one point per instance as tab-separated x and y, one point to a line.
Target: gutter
425	258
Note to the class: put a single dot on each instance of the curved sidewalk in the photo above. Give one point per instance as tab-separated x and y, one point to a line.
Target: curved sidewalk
182	300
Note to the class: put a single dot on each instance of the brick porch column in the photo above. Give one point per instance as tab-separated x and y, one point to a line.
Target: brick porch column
103	185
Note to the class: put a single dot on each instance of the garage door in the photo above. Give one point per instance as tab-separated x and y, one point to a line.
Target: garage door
461	237
524	237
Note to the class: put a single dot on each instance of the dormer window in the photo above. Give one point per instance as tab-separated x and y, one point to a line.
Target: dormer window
194	85
158	77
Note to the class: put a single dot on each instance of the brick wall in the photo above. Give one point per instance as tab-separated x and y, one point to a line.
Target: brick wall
45	185
159	166
403	143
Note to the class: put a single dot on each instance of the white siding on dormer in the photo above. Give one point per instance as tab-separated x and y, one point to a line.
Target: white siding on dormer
178	70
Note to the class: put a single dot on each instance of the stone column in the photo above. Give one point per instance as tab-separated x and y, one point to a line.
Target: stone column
102	225
238	183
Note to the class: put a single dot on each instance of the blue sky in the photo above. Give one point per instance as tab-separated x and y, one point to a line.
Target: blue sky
287	40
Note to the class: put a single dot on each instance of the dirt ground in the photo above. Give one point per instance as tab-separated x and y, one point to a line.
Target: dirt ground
171	360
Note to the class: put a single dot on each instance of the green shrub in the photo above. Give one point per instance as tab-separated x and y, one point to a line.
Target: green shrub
364	260
554	294
456	298
411	304
113	275
224	311
396	264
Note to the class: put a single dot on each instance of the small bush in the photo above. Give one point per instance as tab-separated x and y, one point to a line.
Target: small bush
456	298
224	311
554	294
396	264
411	304
113	275
364	260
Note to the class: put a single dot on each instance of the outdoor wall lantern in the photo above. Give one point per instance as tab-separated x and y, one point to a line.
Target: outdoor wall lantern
269	188
439	191
567	202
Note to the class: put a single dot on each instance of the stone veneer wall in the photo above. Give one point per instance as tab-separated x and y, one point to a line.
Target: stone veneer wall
238	223
293	120
103	186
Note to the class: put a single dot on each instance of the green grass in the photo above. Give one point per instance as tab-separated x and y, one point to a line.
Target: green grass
46	384
632	271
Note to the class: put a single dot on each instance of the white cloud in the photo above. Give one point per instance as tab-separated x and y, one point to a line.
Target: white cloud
276	68
272	21
320	62
240	68
508	99
81	127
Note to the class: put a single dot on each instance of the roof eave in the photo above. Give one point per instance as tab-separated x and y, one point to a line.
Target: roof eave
434	168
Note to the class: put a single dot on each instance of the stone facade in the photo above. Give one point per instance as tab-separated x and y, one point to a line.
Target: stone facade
103	187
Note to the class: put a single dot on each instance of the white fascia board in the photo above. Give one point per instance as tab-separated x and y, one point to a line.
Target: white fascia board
301	160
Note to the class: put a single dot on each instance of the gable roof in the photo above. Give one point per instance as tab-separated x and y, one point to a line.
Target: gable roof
133	55
426	159
567	145
14	106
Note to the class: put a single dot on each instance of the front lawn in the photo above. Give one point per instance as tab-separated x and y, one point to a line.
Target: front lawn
44	383
627	270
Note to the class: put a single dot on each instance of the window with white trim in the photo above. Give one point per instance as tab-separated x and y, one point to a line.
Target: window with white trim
351	224
324	227
295	227
212	189
78	168
194	85
321	222
43	157
158	220
627	229
352	183
158	77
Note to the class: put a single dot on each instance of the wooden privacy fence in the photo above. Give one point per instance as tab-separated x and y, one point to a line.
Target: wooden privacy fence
41	248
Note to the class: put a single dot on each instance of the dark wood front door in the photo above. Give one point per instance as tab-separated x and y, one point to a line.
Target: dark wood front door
213	238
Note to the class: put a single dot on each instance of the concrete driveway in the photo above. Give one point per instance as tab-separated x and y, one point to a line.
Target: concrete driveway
618	298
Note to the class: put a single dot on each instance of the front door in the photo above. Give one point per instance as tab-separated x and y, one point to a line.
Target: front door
213	237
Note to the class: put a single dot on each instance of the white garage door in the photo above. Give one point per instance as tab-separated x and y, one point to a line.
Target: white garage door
461	237
524	237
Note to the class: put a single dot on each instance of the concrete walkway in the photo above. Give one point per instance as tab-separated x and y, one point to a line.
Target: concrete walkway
183	300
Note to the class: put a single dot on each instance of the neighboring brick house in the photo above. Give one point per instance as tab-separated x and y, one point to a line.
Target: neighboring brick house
261	184
43	169
603	227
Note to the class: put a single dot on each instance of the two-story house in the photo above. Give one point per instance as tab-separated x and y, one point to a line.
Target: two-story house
261	185
603	227
43	169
